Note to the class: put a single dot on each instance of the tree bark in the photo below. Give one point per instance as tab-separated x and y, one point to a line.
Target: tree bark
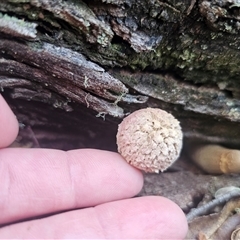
114	57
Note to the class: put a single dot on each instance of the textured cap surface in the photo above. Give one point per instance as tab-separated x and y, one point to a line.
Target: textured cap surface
150	139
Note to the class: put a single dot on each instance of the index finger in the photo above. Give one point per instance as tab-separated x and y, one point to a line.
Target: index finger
35	182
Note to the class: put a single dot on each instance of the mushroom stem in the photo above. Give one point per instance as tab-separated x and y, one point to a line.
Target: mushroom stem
216	159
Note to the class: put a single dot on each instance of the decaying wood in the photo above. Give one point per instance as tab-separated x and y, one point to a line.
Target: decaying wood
67	73
186	188
182	56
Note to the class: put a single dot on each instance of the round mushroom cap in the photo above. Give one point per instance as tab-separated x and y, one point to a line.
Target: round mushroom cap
150	139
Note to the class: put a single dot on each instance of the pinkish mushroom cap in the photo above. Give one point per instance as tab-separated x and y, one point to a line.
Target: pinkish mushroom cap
150	139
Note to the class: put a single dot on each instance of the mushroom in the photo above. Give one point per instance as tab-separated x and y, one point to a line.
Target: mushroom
215	159
150	139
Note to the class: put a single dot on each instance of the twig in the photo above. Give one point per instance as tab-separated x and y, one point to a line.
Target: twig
205	208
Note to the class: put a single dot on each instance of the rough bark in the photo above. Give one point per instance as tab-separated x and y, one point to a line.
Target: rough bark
182	56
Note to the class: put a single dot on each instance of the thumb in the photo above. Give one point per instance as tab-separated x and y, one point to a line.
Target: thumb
8	124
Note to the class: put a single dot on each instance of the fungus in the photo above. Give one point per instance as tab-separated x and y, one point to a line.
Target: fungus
215	159
150	139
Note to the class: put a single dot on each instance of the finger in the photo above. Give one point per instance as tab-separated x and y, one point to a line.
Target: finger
41	181
137	218
8	124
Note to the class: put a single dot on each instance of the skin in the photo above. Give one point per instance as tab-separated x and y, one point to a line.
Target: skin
76	194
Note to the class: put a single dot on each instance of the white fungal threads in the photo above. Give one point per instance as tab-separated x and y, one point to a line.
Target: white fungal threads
150	139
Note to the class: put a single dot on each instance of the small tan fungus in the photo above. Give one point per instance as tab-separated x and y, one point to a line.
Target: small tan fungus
150	139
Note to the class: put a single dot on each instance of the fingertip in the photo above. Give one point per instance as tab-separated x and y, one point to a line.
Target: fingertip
167	216
175	221
150	217
8	124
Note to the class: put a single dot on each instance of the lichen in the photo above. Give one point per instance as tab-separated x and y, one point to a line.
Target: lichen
17	27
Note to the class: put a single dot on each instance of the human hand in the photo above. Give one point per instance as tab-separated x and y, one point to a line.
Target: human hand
76	194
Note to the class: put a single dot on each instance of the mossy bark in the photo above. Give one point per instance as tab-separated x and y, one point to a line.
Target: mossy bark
118	56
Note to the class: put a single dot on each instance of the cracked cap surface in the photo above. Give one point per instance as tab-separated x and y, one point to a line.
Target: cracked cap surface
150	139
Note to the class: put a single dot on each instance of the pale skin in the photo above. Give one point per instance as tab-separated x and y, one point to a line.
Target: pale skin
78	194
